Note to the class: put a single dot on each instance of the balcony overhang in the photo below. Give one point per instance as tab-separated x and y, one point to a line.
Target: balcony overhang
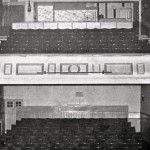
75	69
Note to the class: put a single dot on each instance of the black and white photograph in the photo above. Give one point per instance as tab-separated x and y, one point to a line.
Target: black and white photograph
74	74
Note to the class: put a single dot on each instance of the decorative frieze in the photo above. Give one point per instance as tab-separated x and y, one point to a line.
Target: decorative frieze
29	69
7	69
74	69
140	68
119	68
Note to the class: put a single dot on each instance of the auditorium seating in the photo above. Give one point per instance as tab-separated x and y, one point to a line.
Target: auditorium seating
73	134
73	41
3	47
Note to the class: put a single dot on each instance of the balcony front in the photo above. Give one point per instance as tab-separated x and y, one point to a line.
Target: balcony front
75	69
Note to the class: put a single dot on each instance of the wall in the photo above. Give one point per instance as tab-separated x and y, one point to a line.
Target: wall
1	12
136	12
93	95
62	11
1	101
118	6
1	109
71	111
102	9
30	16
110	8
145	105
146	17
72	6
12	13
145	111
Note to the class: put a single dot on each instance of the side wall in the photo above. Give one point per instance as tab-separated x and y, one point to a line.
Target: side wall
145	111
146	17
91	95
1	110
1	12
12	13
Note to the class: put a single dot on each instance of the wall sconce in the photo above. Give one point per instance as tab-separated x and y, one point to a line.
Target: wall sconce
29	6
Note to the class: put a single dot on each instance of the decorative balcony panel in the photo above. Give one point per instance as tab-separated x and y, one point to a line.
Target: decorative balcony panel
75	69
75	15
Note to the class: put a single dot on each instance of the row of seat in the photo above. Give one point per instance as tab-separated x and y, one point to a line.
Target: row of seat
73	134
75	34
74	41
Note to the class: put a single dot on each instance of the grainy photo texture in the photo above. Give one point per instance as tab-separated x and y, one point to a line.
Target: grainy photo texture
74	74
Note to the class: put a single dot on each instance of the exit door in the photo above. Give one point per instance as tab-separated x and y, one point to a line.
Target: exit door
10	114
11	107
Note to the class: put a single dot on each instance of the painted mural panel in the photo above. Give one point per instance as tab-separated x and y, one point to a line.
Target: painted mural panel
76	15
45	13
118	68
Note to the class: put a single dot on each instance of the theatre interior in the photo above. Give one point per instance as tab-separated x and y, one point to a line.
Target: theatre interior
74	74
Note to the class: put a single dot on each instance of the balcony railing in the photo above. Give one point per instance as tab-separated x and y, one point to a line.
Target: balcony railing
112	24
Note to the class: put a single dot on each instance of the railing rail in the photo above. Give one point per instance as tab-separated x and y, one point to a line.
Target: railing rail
73	25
